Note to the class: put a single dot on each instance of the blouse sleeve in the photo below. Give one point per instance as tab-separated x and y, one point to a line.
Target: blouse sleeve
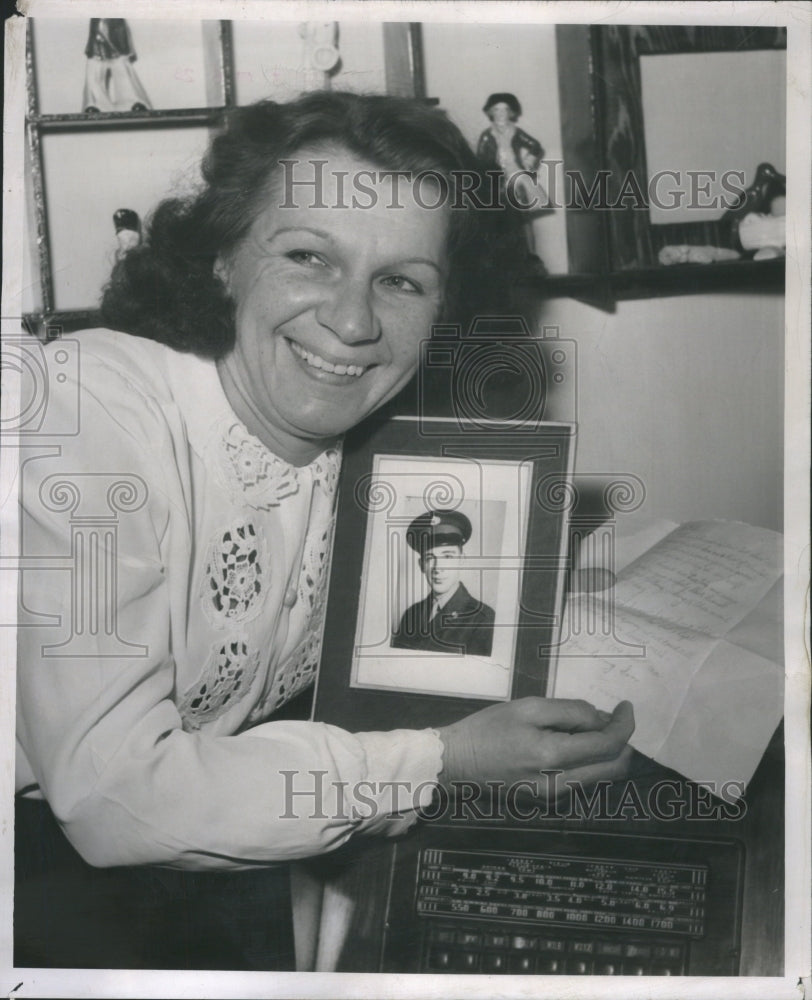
96	716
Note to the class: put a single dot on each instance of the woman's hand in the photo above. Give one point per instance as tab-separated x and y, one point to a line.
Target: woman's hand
518	740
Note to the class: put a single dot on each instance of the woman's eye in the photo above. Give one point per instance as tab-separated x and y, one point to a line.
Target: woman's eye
401	284
306	257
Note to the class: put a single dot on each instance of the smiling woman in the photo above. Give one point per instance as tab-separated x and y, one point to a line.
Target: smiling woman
249	331
165	289
330	318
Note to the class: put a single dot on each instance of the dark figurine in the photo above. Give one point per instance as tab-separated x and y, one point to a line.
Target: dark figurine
111	83
518	156
128	230
504	144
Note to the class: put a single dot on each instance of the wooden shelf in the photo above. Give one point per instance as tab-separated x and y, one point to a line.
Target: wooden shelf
684	279
679	279
740	276
88	121
55	324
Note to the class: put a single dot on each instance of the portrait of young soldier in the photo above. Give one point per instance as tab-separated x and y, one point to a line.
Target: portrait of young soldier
449	619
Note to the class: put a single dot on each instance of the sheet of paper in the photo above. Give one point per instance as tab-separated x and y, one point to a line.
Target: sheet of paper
629	544
706	576
691	635
762	630
734	704
644	661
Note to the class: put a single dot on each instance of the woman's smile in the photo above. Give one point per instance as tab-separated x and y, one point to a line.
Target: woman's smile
331	306
321	368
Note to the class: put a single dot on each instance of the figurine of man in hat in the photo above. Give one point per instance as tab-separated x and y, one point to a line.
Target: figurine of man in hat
506	147
504	144
449	619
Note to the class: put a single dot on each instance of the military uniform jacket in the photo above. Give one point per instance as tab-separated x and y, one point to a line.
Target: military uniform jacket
463	625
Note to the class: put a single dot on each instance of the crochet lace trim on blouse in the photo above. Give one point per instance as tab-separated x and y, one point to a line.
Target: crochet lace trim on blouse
237	574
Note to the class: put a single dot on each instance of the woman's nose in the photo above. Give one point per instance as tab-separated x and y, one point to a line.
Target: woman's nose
348	312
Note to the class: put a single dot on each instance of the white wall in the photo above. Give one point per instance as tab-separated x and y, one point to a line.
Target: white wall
685	393
268	59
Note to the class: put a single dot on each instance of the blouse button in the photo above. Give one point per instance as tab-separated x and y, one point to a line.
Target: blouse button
290	597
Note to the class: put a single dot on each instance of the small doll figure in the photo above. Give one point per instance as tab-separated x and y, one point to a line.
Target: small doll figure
128	230
508	148
758	222
111	83
764	227
501	144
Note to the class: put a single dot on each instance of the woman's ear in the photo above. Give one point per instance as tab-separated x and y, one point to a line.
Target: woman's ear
223	272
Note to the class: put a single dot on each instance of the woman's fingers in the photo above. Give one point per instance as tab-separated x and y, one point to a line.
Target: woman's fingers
568	715
518	740
573	749
557	783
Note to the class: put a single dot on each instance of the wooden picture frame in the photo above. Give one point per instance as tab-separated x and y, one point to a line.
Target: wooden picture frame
392	473
612	244
635	241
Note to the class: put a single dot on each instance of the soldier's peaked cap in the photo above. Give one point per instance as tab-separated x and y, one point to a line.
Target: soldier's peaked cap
438	527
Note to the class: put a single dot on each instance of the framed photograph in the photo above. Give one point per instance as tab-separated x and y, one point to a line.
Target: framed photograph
458	537
442	573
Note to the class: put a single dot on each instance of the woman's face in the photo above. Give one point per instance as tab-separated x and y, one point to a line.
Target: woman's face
500	113
331	302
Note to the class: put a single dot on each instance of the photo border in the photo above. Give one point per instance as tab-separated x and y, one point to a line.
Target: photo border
395	547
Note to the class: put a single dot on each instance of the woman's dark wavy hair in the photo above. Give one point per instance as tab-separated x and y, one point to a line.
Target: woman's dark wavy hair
165	289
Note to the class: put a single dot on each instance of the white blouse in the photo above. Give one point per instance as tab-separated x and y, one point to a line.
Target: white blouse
172	596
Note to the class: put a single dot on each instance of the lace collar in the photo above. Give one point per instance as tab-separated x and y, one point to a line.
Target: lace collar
249	471
254	475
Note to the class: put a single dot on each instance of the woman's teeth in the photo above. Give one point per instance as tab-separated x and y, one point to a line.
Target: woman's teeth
326	366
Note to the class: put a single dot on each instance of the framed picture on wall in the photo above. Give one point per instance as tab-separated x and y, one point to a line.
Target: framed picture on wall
119	113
